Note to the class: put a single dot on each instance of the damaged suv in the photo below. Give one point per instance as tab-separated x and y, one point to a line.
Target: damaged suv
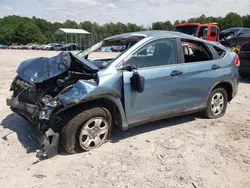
74	101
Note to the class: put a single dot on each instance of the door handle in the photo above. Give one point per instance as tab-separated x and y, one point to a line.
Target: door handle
215	67
176	73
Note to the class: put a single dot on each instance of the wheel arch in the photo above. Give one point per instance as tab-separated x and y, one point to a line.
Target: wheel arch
113	104
227	86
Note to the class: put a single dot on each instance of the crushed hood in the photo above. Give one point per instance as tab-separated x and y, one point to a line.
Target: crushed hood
40	69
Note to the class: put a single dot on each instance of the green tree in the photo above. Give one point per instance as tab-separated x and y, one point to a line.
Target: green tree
23	30
162	25
177	22
246	21
233	20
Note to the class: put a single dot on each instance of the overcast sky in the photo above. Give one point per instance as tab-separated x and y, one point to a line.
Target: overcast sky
135	11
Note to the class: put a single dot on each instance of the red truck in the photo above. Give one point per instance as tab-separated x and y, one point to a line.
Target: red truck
208	31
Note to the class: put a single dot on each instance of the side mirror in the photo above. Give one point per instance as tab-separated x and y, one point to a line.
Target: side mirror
128	67
137	82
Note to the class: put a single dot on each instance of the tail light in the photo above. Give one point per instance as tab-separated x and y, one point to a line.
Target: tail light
237	60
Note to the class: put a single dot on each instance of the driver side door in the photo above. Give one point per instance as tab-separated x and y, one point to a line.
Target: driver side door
164	84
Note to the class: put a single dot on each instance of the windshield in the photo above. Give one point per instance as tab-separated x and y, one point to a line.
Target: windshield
190	30
105	52
235	30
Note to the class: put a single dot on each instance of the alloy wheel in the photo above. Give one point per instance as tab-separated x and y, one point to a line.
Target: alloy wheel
217	103
93	133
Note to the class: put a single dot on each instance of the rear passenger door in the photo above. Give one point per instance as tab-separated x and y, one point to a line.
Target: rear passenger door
202	72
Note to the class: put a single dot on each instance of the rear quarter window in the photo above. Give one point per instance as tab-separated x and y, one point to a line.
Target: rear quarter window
219	53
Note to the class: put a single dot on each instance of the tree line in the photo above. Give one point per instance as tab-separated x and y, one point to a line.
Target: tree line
23	30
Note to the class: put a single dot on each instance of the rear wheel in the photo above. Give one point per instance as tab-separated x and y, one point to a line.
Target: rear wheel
87	130
216	104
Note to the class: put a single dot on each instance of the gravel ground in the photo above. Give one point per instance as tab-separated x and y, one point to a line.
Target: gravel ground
182	152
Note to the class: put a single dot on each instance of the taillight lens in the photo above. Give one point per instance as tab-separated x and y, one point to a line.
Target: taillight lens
237	60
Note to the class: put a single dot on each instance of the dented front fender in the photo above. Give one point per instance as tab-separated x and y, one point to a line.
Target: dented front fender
78	92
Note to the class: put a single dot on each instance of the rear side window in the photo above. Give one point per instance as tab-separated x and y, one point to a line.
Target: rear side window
195	51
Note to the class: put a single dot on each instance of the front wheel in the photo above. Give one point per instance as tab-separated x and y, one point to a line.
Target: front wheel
87	130
216	104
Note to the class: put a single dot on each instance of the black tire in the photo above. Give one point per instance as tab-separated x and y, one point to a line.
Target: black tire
71	131
208	112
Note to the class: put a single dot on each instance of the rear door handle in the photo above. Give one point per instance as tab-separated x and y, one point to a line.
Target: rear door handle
176	73
215	67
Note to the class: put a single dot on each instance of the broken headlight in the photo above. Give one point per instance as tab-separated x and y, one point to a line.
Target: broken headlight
45	113
49	101
50	104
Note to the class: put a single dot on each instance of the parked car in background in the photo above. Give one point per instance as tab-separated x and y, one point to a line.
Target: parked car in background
76	101
21	47
50	46
71	46
3	47
244	55
41	47
31	47
234	37
35	47
58	47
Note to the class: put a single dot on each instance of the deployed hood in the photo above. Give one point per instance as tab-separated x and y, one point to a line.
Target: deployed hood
40	69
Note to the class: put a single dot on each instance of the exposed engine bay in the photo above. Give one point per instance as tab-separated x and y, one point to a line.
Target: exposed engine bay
40	84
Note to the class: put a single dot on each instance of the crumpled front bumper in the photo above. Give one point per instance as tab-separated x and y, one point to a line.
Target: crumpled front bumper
48	140
49	143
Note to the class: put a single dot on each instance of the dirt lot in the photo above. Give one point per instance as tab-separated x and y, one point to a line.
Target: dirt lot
182	152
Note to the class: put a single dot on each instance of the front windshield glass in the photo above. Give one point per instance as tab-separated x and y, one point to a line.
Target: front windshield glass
105	52
190	30
235	30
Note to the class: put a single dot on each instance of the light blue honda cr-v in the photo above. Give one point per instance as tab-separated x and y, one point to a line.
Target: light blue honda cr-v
75	99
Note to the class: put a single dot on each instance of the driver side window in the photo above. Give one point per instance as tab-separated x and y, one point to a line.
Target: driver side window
156	53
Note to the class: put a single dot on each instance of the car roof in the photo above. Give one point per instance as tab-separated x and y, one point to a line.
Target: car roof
235	28
231	28
153	34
